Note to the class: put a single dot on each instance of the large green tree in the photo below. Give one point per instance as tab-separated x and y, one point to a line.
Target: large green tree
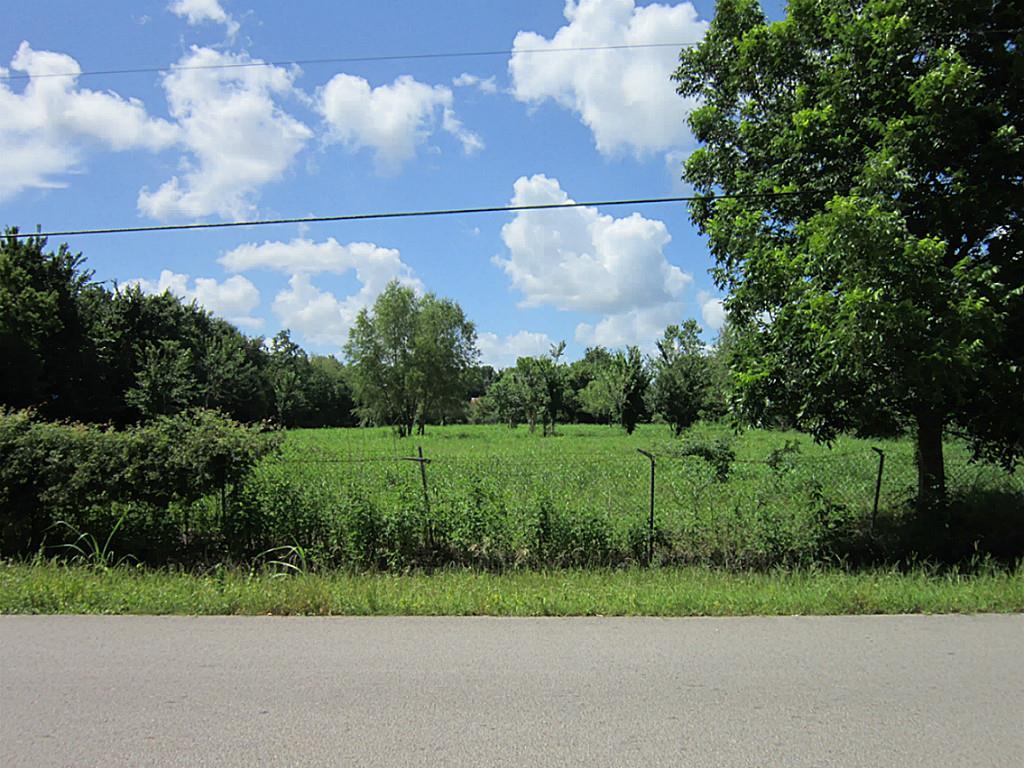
444	359
410	357
164	383
288	372
874	252
328	394
511	397
578	377
43	339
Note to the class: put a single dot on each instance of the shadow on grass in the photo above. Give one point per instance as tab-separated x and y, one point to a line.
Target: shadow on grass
977	525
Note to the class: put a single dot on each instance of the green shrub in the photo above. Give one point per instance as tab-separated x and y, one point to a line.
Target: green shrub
90	477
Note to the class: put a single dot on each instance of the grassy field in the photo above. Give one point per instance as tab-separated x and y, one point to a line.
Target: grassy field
498	498
47	587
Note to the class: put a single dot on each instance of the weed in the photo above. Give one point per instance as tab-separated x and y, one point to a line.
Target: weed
87	548
287	560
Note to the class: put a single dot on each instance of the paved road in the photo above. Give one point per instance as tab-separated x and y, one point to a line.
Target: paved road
161	691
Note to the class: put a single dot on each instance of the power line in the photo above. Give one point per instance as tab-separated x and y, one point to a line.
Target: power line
348	60
394	215
403	57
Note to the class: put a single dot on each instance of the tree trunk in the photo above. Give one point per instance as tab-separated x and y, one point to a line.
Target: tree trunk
931	468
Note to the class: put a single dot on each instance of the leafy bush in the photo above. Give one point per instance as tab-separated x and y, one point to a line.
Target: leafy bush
717	452
74	473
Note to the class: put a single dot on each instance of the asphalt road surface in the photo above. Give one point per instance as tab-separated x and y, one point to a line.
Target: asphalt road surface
845	691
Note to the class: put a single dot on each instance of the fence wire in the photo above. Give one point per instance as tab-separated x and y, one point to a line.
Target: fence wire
567	508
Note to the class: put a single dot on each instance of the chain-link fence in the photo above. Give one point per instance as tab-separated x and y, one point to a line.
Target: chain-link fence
564	508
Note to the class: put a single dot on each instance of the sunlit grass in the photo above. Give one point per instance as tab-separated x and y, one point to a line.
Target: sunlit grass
47	587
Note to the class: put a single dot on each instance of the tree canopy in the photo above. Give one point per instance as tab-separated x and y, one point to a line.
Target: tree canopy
682	376
618	390
874	250
76	349
411	358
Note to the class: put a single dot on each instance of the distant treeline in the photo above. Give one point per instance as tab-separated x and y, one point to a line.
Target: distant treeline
78	350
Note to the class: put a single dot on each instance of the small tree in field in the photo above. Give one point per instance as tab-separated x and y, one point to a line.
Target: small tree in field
409	357
634	380
618	391
681	376
510	396
288	372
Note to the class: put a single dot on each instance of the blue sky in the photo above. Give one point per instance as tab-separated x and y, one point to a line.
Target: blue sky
201	141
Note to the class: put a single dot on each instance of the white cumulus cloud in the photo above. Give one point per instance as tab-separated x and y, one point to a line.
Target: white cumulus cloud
319	315
47	128
642	326
197	11
503	351
624	96
238	138
374	266
392	120
233	299
578	259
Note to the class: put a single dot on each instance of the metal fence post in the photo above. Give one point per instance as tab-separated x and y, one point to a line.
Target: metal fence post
650	521
429	532
878	486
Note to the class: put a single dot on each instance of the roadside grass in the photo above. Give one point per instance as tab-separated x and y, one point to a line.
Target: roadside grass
48	587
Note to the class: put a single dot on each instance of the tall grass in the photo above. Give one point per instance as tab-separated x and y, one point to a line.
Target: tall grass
500	499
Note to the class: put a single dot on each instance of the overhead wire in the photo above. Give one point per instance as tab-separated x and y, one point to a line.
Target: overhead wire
348	60
9	76
394	215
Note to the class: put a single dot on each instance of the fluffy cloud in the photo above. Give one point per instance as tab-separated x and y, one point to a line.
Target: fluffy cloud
712	310
234	299
45	129
237	136
466	80
392	120
374	266
198	11
318	315
624	96
502	352
641	326
578	259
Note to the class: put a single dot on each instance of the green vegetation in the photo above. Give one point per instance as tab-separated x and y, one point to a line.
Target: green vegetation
498	498
682	377
872	250
75	485
50	588
73	348
870	243
411	359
